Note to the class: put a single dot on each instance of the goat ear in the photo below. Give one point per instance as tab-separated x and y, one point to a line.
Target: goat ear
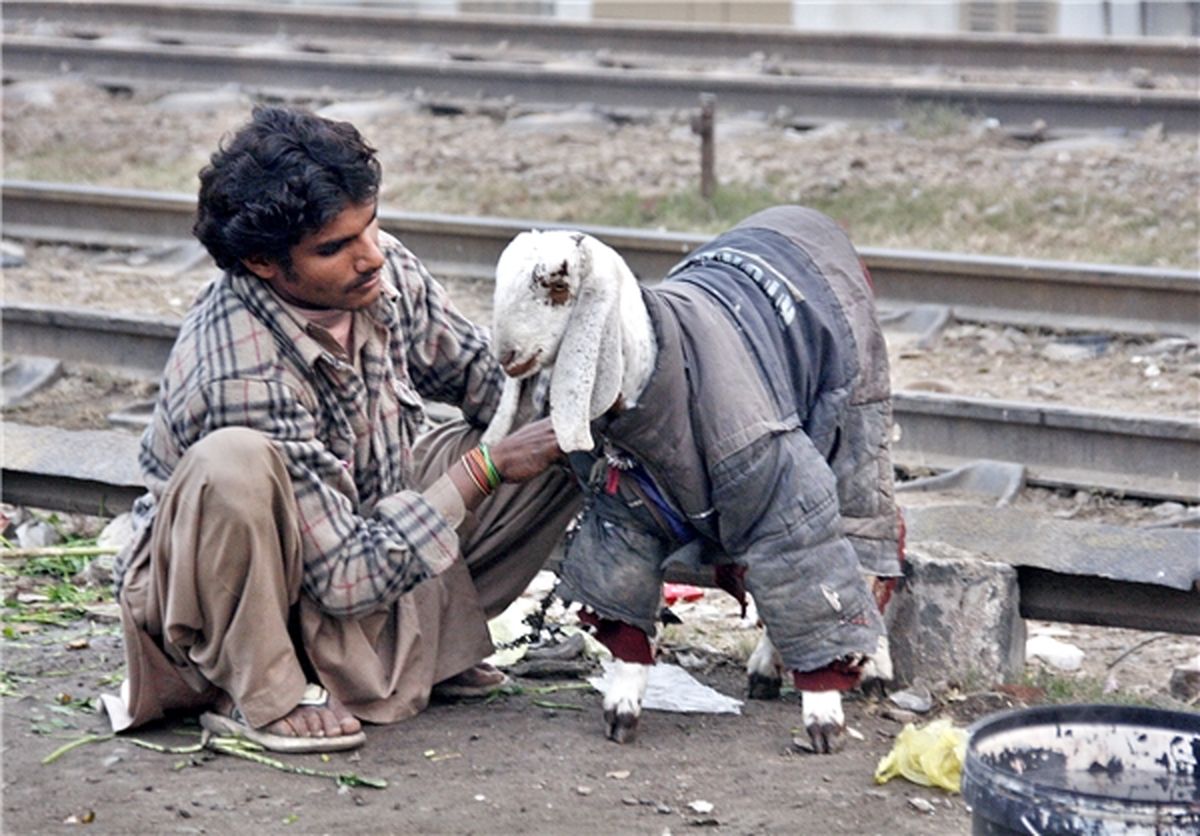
587	370
506	412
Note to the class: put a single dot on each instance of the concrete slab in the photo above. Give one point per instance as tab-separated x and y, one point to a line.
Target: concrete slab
1157	556
89	471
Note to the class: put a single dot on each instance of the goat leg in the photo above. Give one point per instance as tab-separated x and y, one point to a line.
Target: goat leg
632	657
764	671
623	700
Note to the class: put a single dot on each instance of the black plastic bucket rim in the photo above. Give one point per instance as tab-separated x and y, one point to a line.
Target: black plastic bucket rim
990	793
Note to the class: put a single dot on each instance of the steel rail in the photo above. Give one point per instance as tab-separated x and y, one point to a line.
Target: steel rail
28	56
1037	293
1179	56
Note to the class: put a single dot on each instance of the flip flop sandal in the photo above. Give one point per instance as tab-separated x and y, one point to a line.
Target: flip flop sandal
235	725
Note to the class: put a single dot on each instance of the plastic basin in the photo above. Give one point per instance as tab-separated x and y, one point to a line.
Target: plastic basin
1084	769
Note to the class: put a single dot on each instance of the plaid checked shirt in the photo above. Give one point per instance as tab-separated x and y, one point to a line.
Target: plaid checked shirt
242	359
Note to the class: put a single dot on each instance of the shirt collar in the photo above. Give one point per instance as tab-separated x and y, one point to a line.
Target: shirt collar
290	326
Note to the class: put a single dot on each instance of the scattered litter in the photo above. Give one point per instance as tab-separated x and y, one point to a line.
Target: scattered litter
922	804
551	705
510	630
671	688
619	774
12	254
915	698
359	111
1057	654
551	668
1077	347
675	592
700	806
917	327
898	715
37	534
855	733
565	659
234	746
582	790
931	756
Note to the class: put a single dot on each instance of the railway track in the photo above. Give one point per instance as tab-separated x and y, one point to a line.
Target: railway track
299	69
1131	454
1135	455
1032	293
315	26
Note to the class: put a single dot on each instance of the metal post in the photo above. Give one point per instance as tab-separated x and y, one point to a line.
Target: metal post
703	125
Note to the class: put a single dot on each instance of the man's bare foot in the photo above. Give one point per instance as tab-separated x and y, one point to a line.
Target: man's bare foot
481	675
330	719
318	723
476	681
319	714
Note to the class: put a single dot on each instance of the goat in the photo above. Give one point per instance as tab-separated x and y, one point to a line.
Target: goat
705	450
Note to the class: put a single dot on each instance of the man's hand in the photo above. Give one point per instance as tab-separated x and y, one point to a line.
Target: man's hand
527	452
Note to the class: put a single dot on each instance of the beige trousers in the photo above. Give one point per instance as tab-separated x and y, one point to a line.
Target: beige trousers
212	600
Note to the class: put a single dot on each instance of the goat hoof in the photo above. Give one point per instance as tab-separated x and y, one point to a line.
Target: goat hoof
764	687
620	727
874	688
827	738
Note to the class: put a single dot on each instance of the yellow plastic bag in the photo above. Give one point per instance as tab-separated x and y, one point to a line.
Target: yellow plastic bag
931	756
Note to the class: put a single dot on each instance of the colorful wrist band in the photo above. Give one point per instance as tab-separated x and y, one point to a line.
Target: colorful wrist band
493	475
475	474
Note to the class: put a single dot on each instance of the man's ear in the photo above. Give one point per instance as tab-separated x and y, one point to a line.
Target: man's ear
264	268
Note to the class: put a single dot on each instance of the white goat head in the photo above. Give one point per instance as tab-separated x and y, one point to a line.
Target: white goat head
556	308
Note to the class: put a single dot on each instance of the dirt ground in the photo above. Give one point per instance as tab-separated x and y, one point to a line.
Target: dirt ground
523	763
509	766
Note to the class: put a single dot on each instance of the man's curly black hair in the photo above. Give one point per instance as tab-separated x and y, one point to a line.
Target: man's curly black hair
282	176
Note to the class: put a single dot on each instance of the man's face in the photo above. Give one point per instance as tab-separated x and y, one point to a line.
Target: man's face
335	267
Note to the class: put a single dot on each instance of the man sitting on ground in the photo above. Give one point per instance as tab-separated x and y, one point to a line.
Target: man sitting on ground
303	561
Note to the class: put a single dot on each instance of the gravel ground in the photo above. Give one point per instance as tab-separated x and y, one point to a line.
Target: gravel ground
928	180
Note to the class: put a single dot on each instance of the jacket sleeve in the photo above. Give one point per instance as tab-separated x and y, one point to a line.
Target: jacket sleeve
777	508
